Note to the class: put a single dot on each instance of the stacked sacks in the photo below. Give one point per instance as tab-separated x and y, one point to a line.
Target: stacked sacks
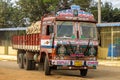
37	27
34	28
29	29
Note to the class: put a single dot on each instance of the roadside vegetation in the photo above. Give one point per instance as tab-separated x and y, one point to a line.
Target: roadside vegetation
23	12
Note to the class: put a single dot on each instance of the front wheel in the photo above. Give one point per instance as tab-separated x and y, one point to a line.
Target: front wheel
83	72
47	67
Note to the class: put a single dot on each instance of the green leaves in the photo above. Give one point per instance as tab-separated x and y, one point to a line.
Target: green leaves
14	15
108	13
11	16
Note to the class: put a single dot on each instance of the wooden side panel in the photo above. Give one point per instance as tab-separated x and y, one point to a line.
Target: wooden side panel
27	42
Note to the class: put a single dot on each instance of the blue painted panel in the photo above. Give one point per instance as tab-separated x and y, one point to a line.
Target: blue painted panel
116	50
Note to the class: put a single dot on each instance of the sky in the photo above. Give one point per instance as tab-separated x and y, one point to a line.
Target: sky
115	3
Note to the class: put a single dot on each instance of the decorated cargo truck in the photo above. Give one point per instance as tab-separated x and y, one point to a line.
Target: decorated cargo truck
65	41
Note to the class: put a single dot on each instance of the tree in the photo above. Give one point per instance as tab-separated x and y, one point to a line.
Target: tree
116	15
108	13
3	13
17	15
34	9
11	16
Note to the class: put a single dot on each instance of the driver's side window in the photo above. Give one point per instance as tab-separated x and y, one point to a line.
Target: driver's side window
49	29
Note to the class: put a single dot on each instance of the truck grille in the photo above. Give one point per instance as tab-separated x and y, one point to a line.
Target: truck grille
71	49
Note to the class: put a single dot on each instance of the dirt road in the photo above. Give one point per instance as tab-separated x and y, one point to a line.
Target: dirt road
9	71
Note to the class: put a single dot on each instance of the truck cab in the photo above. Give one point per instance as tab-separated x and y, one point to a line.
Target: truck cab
70	39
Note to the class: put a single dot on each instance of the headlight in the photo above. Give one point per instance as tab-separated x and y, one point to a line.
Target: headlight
61	51
92	51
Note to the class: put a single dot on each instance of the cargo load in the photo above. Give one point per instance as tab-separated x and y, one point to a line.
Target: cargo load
34	28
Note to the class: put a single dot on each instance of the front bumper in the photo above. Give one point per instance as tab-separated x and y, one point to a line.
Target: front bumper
74	64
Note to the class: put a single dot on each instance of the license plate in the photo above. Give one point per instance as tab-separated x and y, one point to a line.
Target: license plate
78	63
61	62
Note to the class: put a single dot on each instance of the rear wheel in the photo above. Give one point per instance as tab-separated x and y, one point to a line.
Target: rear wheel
20	60
33	65
83	72
47	67
27	63
41	66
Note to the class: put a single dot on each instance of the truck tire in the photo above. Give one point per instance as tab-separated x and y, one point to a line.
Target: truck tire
47	67
83	72
27	63
20	60
41	66
33	65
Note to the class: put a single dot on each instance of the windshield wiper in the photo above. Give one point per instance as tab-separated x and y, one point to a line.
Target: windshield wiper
87	46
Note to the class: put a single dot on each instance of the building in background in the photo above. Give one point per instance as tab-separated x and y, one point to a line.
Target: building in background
5	39
109	40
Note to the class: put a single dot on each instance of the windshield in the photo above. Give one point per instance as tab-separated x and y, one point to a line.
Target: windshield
64	29
88	30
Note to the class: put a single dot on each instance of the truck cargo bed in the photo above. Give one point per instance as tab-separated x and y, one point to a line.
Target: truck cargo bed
27	42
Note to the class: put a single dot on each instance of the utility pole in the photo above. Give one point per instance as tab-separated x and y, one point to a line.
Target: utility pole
99	11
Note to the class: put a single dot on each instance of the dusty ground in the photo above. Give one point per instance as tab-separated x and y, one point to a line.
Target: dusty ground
9	70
